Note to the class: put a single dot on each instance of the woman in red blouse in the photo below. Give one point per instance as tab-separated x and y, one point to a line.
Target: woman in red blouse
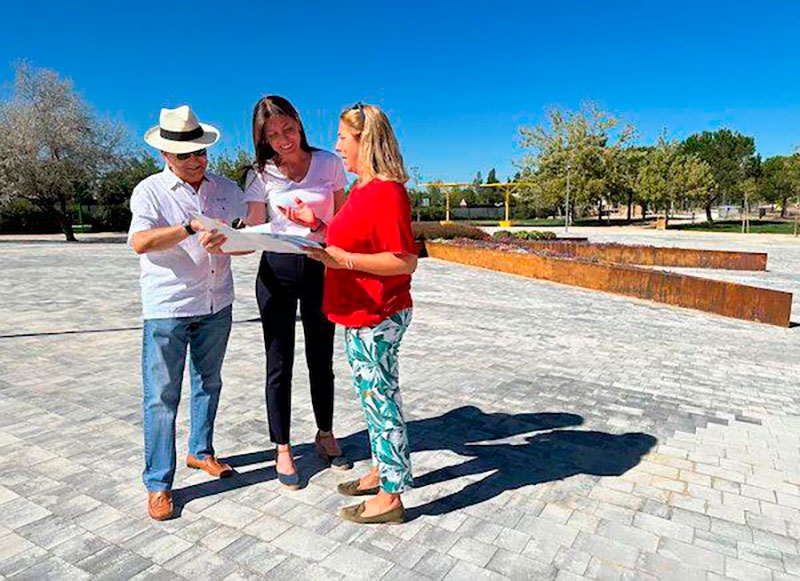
369	258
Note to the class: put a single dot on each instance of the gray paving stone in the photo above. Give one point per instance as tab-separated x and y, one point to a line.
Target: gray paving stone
435	565
515	566
52	568
472	551
746	571
356	563
200	563
113	562
768	557
670	569
157	546
306	544
155	573
463	570
220	538
607	550
628	535
18	562
80	547
721	483
294	568
254	554
692	555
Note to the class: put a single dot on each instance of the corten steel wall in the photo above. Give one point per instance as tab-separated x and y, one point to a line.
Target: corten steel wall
713	296
653	256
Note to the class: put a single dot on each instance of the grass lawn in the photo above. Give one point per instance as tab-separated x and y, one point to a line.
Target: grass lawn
756	227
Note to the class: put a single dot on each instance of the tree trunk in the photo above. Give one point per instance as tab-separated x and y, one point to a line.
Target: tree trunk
65	219
630	207
784	200
708	212
600	211
644	209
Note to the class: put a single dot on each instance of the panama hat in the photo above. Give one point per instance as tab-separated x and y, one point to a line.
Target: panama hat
179	131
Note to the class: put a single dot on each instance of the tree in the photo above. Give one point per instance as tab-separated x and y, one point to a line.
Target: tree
780	180
115	187
53	148
574	147
492	177
233	166
667	176
623	174
730	156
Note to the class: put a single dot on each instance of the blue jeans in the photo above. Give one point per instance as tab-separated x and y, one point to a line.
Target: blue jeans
164	346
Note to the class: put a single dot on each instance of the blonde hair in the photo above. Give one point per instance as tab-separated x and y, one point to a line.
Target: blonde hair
378	154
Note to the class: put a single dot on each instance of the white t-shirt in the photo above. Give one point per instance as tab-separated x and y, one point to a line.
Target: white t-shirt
324	177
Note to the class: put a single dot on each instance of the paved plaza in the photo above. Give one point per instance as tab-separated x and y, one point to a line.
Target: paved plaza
557	433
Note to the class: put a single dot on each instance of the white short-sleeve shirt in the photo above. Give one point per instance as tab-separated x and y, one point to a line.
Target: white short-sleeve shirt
185	280
324	177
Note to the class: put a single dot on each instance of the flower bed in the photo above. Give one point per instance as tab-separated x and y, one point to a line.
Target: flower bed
556	265
657	256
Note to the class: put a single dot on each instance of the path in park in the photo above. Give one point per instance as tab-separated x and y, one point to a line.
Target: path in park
558	433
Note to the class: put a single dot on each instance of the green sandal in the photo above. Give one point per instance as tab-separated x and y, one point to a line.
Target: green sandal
353	513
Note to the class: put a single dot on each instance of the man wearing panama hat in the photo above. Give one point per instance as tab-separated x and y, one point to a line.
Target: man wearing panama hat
187	295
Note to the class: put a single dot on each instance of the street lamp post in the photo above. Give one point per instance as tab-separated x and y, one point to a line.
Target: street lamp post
567	214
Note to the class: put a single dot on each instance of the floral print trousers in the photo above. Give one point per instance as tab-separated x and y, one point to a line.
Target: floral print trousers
372	353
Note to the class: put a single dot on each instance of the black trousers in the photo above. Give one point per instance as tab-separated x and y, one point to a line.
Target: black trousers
283	281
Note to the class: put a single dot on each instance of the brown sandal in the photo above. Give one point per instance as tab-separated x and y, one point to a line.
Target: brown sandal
337	462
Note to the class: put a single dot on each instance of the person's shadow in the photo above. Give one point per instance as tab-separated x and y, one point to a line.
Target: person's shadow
555	454
543	458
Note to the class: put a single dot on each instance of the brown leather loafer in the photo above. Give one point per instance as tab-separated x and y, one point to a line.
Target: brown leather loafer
210	465
354	514
160	505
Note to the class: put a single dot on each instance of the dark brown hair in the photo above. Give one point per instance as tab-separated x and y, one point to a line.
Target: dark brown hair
267	107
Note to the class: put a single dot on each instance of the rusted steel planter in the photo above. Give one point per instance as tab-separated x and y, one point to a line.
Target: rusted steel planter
713	296
656	256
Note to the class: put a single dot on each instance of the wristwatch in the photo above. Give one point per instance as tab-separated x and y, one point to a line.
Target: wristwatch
187	225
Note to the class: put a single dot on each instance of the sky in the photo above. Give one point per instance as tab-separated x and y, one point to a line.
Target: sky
457	79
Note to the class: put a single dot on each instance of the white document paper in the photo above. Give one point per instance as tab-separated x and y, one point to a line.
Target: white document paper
257	238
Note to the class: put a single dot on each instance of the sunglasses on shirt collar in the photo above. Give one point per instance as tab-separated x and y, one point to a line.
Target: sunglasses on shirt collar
185	156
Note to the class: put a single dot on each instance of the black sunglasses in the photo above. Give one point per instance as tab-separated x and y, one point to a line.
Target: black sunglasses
360	108
185	156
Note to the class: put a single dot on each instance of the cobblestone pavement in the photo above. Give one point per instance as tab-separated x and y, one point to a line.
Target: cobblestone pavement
558	433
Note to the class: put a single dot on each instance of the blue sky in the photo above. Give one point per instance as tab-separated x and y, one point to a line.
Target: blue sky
457	78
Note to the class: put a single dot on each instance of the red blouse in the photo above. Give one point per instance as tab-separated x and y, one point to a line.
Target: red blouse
376	218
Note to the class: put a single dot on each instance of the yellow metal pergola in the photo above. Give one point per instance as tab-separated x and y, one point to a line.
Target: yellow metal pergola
507	189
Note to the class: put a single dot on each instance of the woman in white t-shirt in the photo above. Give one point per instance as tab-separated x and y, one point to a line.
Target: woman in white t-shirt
297	189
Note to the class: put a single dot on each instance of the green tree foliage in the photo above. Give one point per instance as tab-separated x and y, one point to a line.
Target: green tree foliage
780	180
581	144
233	166
115	188
492	177
667	176
731	157
53	148
622	176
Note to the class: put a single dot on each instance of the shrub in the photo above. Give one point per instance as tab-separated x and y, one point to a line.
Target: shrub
524	235
22	217
434	231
